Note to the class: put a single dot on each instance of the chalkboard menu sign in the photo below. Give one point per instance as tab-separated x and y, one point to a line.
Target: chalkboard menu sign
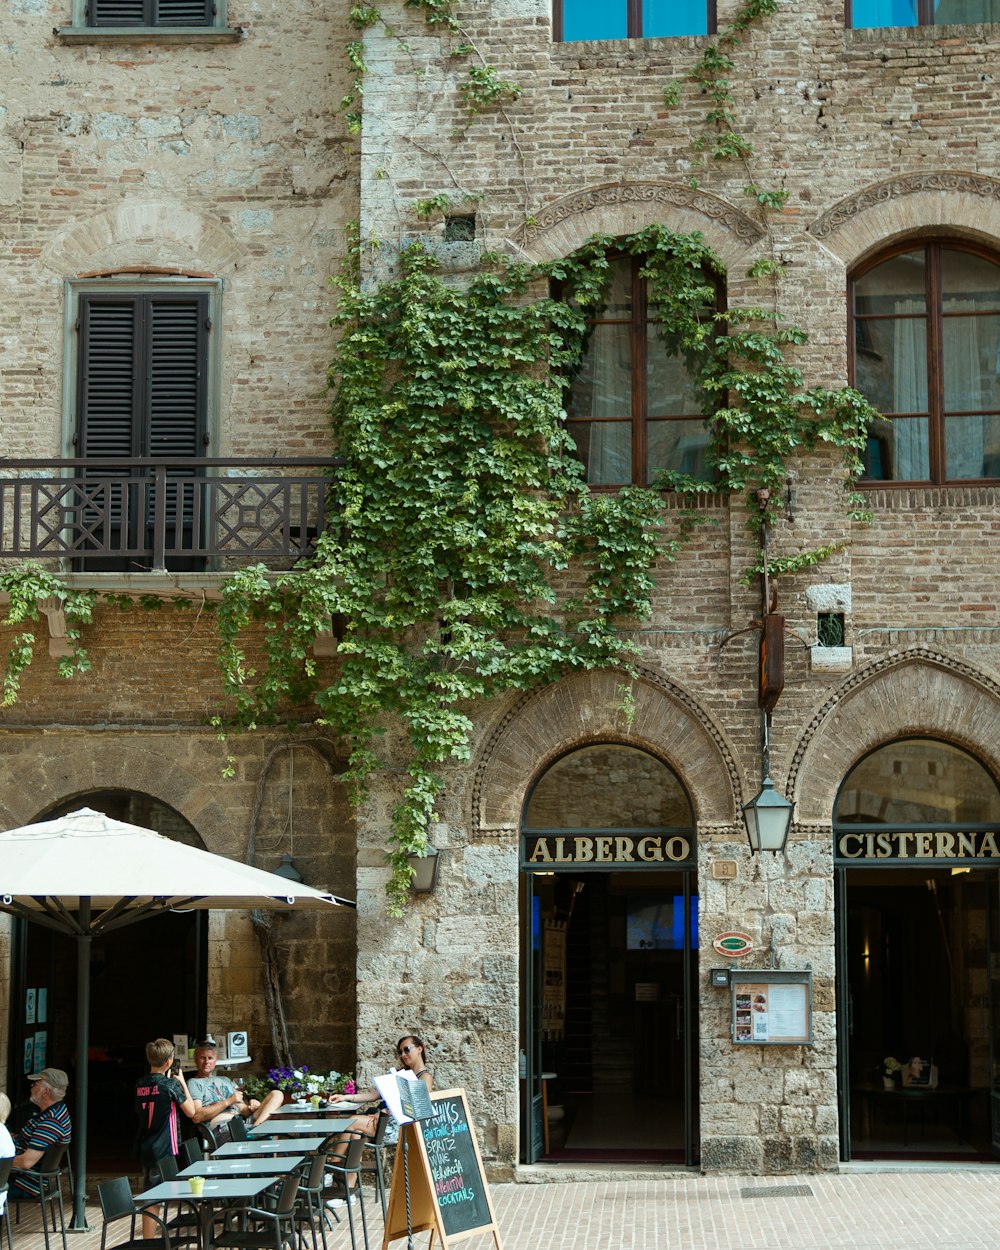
448	1190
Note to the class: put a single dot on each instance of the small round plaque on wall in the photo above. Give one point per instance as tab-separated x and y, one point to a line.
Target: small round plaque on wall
733	944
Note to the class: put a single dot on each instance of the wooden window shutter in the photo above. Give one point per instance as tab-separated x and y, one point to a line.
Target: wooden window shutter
151	12
108	399
183	12
176	379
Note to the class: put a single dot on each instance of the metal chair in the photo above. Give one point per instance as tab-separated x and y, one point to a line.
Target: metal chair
117	1204
254	1228
49	1174
192	1150
209	1141
310	1201
5	1166
237	1128
343	1168
376	1143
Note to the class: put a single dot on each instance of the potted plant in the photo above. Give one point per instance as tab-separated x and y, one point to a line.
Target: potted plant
891	1069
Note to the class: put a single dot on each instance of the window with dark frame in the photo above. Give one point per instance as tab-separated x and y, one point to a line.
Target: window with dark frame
925	350
871	14
631	19
150	13
142	389
633	407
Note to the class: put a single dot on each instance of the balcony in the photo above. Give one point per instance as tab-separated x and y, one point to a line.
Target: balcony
153	515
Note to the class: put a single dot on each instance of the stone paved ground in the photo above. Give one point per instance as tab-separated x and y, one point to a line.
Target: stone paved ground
914	1210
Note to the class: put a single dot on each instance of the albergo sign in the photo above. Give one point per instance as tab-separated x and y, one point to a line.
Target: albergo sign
868	844
611	850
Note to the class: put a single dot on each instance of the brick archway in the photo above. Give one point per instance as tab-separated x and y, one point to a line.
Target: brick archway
588	708
917	692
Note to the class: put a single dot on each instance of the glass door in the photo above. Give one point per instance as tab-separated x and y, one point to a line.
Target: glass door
992	1009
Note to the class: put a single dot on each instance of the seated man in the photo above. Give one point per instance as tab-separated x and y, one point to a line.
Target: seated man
46	1126
220	1098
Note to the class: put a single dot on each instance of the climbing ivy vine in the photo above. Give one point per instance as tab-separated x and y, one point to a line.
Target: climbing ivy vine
469	557
27	588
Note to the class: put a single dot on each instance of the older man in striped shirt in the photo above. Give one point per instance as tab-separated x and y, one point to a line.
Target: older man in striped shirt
49	1124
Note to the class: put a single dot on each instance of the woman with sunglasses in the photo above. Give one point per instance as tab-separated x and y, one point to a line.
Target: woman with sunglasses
412	1054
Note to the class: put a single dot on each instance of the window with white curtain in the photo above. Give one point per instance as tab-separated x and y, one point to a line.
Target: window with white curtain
634	408
926	353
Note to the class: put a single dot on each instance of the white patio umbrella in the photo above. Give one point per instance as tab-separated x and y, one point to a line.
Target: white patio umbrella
85	874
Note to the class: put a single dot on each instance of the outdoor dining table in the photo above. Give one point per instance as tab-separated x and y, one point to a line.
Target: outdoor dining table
307	1111
215	1193
269	1146
261	1165
299	1128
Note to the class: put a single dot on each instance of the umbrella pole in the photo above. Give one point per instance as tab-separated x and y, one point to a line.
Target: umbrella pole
83	941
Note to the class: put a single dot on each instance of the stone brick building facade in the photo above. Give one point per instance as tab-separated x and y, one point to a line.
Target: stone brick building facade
880	137
220	160
162	160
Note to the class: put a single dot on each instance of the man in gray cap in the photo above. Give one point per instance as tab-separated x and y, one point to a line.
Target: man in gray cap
47	1126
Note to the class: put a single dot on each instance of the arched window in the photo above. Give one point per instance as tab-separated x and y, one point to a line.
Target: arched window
926	352
918	781
633	407
609	788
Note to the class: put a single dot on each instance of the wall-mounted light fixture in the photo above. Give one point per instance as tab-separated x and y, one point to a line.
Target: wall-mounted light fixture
425	870
288	870
768	818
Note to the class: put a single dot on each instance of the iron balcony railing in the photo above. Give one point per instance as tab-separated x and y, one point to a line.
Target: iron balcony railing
147	513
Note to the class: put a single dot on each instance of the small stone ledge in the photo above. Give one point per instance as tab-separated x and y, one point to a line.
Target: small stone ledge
831	659
150	34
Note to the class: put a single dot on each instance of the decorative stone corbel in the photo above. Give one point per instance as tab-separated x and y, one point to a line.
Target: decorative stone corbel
59	644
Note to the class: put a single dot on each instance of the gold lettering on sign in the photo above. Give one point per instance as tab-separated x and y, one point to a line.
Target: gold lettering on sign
623	850
540	855
584	850
925	844
678	848
650	850
989	846
603	845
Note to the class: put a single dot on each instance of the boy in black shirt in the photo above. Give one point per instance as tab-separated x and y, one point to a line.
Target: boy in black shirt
157	1097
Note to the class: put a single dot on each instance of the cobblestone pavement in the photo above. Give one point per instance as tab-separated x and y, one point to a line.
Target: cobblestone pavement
933	1209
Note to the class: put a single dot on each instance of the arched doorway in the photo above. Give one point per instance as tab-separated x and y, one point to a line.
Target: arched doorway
609	948
917	849
147	980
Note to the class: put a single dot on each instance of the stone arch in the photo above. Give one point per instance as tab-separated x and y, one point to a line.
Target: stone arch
960	203
587	708
916	692
143	233
624	208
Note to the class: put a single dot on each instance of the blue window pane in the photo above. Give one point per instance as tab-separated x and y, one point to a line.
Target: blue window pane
961	12
595	19
867	13
674	17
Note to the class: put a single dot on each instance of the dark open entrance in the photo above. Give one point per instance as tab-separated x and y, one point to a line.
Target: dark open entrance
609	929
917	838
147	980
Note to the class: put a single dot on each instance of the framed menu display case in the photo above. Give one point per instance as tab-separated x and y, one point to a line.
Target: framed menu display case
771	1007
